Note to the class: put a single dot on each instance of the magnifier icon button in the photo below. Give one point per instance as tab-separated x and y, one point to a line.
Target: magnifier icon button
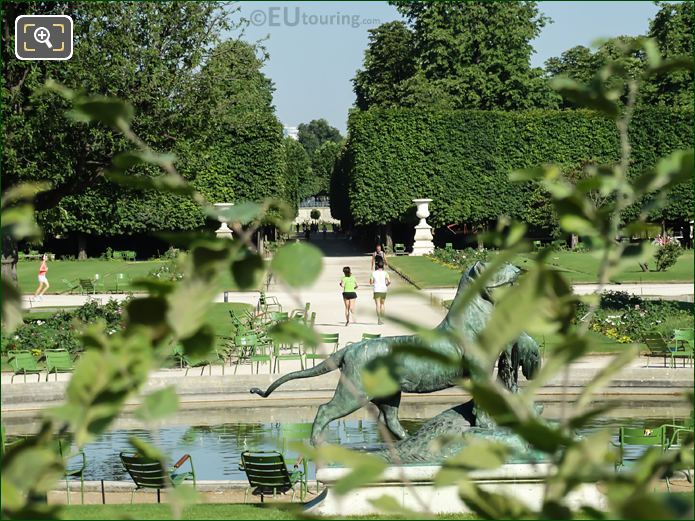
43	35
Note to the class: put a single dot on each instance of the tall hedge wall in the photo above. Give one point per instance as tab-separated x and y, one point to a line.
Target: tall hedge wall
462	159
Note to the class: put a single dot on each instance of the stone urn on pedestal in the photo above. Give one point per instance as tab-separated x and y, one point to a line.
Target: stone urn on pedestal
223	231
423	231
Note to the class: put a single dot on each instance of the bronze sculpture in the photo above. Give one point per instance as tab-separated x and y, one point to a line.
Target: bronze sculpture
417	374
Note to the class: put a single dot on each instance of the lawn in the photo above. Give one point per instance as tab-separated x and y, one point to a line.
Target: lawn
113	274
210	511
423	272
578	268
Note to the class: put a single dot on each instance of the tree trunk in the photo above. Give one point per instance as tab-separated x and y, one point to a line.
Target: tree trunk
10	257
574	241
259	238
81	247
388	237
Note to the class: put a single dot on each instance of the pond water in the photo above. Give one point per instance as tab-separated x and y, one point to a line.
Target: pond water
216	449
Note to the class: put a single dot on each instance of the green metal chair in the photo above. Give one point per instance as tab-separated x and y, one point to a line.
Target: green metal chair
151	473
268	474
23	362
279	316
267	304
399	249
370	336
186	363
286	352
70	286
297	433
75	464
632	439
683	340
250	348
58	361
328	344
87	286
657	347
301	313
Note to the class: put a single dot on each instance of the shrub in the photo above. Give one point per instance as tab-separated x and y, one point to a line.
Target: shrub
667	254
60	331
315	214
460	259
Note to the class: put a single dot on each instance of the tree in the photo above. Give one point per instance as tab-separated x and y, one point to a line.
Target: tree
152	50
464	55
322	164
298	166
581	64
389	61
672	29
315	133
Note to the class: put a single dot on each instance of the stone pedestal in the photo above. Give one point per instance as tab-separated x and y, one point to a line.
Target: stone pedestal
223	231
423	232
522	481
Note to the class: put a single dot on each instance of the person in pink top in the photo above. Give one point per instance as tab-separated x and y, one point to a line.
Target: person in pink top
43	280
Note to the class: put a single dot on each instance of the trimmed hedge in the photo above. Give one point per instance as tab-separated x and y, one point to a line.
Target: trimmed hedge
462	159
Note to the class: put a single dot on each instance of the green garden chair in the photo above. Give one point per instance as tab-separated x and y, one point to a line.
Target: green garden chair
58	361
301	313
278	316
23	362
285	352
399	249
187	364
70	286
677	436
370	336
683	342
74	463
657	347
87	286
250	349
328	344
267	304
633	441
297	433
268	474
151	473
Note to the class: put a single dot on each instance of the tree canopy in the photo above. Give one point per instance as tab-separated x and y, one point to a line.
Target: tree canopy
456	55
204	99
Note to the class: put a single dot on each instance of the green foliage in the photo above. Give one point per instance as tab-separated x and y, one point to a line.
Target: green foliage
455	56
62	330
315	133
298	167
627	318
666	255
315	214
389	61
206	101
462	161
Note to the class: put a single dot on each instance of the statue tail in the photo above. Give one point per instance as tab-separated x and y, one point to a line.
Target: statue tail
332	363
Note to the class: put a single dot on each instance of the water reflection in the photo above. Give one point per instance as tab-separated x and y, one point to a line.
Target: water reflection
216	450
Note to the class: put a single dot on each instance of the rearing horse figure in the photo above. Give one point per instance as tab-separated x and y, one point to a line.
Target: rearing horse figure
418	375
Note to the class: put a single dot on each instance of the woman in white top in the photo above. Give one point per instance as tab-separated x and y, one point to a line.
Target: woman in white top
380	281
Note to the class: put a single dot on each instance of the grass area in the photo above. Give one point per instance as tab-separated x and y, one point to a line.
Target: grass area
109	272
211	511
578	267
582	267
424	272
